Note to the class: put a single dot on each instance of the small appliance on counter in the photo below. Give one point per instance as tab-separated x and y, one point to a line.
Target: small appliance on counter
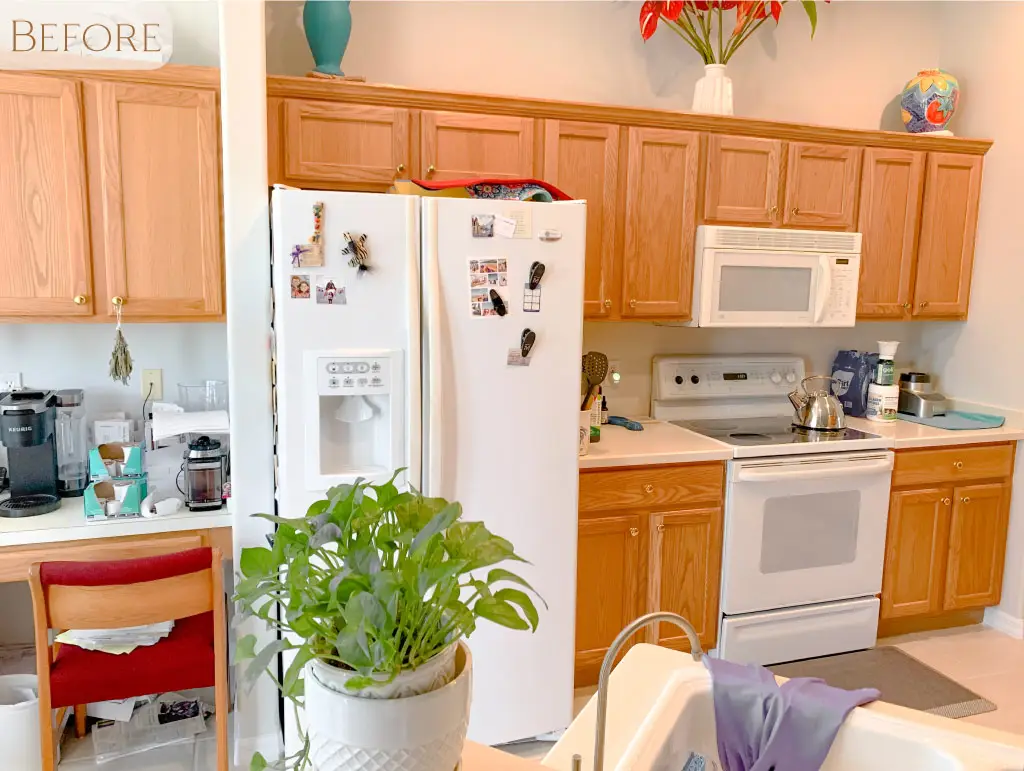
917	397
883	393
72	449
204	470
817	409
27	430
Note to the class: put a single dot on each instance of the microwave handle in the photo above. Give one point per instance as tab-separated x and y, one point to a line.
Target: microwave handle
824	286
827	471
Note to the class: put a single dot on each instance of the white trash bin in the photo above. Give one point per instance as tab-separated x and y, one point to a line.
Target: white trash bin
19	722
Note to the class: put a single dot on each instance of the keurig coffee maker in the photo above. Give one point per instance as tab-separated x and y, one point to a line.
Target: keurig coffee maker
27	420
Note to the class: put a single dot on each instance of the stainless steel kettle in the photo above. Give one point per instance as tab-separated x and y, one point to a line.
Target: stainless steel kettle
817	409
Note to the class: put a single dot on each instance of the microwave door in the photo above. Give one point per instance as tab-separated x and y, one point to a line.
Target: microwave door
763	289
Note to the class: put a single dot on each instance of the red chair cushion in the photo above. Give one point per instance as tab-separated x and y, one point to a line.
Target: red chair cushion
121	572
184	659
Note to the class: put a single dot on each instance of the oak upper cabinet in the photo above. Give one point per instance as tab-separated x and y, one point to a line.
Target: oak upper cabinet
915	552
742	180
349	146
582	159
949	221
608	586
660	223
890	200
977	546
684	568
155	194
821	186
44	265
455	145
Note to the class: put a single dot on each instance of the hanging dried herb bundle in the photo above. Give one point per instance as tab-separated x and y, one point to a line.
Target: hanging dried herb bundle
120	358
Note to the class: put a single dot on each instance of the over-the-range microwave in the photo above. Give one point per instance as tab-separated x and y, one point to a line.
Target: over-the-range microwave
771	277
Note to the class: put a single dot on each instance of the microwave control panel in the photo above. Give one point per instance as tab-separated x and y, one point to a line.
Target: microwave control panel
841	306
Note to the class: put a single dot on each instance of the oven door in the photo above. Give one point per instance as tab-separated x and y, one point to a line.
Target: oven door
764	289
804	530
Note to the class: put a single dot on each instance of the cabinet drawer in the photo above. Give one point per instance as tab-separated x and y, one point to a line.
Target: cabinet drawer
696	483
914	467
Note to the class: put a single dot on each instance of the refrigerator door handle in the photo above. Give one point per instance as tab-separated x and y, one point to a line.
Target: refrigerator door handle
435	369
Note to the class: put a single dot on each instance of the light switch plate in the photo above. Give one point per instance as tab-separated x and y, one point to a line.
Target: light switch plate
154	378
10	381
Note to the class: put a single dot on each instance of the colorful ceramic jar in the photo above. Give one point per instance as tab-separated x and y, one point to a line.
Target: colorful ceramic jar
328	25
929	101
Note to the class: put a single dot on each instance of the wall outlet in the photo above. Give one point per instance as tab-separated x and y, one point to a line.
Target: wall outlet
10	381
153	378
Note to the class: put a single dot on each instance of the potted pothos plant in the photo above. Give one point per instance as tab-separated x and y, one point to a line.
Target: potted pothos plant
372	592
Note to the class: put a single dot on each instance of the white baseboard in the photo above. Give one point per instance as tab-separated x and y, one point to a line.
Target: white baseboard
1003	622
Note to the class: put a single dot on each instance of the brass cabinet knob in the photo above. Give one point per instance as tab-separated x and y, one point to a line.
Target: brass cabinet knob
907	306
773	211
400	168
607	303
946	501
430	169
795	210
965	499
117	300
958	464
632	303
648	489
661	528
923	304
81	299
634	531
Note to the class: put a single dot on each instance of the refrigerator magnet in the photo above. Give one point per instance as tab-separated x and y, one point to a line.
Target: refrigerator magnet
482	225
356	251
330	292
516	358
484	275
550	235
311	254
505	226
531	299
300	286
497	303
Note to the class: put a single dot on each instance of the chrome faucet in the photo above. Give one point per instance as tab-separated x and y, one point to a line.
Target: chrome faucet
609	659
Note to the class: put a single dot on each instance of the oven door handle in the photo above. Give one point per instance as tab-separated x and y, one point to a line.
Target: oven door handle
826	471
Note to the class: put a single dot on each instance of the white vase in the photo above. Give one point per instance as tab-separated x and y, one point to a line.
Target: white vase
425	732
713	92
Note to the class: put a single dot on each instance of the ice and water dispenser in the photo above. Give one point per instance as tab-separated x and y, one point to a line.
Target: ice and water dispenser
358	413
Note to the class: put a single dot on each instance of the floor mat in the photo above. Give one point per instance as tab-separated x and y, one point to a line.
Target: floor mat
900	677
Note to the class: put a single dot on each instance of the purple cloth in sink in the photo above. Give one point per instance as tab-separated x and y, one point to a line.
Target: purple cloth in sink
764	727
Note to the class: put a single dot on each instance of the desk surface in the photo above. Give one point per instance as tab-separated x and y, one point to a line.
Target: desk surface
68	523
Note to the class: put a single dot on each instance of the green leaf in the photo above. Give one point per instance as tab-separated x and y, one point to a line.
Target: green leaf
363	607
354	649
500	574
245	648
500	612
524	602
295	524
257	561
262	660
812	13
324	535
292	676
440	521
258	763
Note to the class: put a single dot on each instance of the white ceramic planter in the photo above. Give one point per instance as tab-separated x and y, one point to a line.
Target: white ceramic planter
713	92
424	732
436	673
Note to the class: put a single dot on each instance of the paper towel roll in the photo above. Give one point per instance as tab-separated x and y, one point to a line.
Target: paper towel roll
883	400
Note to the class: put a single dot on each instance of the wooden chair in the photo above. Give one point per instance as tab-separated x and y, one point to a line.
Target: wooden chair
186	587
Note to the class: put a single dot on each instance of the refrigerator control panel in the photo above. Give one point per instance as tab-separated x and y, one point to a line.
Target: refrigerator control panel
353	376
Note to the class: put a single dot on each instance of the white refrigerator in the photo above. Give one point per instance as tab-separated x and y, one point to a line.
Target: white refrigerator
409	363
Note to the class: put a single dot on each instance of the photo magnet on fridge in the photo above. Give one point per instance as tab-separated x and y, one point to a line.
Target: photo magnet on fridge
330	292
484	275
483	225
311	254
300	286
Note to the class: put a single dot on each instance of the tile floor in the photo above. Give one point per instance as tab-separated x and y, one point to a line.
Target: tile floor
988	662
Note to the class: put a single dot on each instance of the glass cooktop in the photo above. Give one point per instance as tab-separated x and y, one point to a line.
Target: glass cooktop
752	432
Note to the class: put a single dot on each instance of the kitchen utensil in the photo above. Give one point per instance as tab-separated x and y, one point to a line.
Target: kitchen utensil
817	409
626	423
72	451
588	400
595	365
917	397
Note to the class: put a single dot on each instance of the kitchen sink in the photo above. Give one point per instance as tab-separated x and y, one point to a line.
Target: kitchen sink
660	709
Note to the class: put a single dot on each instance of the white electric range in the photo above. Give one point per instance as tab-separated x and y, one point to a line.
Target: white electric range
805	511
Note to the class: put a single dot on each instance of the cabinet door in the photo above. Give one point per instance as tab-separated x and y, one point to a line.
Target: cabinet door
949	221
890	202
607	587
455	145
157	183
352	146
821	186
915	552
684	573
977	546
44	265
742	180
661	209
582	159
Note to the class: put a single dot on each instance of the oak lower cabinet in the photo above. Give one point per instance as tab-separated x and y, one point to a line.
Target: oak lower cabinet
948	519
650	538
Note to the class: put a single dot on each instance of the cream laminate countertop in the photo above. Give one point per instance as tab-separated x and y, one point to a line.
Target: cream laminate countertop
658	443
906	435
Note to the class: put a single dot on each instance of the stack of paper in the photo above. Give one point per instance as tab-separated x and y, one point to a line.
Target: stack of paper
168	424
123	640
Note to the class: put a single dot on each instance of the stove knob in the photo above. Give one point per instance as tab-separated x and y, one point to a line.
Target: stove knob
694	379
776	378
679	380
790	377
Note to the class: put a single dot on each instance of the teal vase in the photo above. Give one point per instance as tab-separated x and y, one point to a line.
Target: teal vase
328	25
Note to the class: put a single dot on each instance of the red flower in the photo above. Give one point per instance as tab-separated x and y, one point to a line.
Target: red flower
707	5
652	10
750	10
